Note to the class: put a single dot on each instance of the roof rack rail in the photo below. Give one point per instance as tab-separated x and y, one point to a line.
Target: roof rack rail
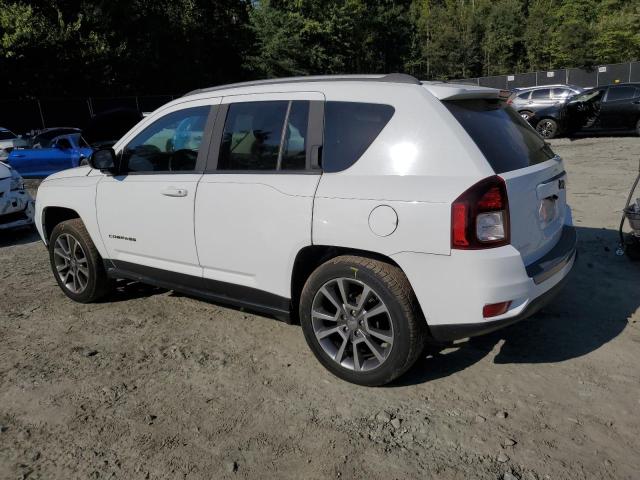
388	78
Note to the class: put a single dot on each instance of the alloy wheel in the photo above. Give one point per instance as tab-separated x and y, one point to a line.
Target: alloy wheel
71	263
352	324
545	128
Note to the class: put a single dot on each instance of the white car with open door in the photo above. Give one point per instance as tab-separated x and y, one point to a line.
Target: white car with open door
378	211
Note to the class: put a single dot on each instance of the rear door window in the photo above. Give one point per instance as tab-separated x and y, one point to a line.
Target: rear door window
349	129
560	93
265	136
507	141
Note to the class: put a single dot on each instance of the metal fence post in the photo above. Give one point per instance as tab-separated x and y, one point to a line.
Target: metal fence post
41	115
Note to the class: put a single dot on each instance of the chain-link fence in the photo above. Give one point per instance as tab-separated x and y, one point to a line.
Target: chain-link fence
22	116
582	77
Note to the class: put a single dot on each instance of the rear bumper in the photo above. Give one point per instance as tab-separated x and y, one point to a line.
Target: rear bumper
452	290
445	333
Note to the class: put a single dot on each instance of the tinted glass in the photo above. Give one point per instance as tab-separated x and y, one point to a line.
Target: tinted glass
507	141
44	139
560	93
252	134
294	152
62	143
524	96
6	135
589	95
349	129
80	141
542	94
170	144
621	93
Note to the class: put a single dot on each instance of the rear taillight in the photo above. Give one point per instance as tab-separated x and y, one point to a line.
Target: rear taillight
480	216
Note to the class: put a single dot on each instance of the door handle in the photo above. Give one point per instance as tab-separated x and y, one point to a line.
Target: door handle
175	192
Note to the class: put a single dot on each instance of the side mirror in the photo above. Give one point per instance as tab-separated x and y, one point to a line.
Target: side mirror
104	160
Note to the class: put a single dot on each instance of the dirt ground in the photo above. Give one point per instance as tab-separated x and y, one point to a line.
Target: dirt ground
151	384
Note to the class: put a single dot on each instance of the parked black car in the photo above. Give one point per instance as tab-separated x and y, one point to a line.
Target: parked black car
604	109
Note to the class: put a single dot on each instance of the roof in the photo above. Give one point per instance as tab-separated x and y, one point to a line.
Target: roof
554	85
389	78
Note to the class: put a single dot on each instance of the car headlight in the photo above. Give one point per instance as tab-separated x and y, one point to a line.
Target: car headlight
17	183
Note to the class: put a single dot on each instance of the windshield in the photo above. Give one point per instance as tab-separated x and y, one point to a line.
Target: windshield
507	141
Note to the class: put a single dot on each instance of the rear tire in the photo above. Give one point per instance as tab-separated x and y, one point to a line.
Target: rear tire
547	128
361	320
76	264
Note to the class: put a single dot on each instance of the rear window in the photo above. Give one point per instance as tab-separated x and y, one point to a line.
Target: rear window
507	141
349	129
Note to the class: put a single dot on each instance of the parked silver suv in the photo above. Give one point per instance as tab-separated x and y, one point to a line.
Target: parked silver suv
527	101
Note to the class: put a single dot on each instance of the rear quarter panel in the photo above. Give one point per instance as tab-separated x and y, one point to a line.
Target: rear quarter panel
419	163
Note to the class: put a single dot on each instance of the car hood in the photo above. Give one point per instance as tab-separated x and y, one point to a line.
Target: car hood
71	172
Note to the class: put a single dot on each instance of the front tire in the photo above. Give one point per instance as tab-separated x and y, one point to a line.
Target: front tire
361	320
547	128
76	264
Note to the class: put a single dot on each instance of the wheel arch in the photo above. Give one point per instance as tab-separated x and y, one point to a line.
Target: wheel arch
311	257
52	216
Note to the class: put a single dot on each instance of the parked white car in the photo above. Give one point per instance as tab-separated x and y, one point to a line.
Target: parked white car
379	211
16	205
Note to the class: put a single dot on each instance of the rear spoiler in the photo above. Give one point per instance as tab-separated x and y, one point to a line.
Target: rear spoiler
459	91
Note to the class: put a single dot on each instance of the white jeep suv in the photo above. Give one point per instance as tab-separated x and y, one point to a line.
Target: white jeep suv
378	211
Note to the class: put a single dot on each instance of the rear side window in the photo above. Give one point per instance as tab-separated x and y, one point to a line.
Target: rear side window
621	93
560	93
507	141
349	129
6	135
542	94
524	96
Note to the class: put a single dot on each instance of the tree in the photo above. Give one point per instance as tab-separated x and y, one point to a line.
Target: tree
537	35
617	31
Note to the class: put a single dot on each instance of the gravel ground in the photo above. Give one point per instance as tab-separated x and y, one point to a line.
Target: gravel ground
152	384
